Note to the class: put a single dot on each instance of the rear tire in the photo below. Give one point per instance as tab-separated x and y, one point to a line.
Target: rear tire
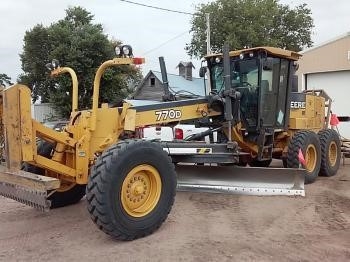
114	194
71	195
330	152
309	144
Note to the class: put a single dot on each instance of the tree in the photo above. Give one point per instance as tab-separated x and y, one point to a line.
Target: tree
5	80
250	23
78	43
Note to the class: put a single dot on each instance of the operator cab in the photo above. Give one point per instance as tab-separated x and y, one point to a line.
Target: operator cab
263	78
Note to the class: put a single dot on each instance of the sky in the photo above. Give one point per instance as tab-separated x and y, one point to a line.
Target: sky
151	33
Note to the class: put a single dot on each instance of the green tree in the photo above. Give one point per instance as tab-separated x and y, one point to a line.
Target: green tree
251	23
5	80
78	43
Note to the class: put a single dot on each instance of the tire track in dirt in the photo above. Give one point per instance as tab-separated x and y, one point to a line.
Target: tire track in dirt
333	210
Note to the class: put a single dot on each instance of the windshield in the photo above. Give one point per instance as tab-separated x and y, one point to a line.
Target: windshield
243	73
244	78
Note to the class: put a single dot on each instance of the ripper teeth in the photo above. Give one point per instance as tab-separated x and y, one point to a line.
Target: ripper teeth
33	198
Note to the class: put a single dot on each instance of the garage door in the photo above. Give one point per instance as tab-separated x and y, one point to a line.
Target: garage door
337	85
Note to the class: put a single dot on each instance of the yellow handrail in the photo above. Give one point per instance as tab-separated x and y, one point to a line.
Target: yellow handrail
97	80
61	70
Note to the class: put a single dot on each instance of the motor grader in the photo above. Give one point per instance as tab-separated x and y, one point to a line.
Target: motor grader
130	184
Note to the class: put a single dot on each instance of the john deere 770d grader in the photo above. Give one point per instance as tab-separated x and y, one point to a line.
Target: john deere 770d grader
130	184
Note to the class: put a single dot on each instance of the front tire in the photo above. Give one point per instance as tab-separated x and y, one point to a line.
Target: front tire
131	189
309	144
330	152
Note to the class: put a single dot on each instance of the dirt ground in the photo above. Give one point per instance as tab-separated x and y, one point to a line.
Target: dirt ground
201	227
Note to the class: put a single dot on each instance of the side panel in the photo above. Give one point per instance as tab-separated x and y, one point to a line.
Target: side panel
307	111
107	131
172	114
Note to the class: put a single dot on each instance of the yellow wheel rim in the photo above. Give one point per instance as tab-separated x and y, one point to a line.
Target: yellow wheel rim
332	153
141	190
310	158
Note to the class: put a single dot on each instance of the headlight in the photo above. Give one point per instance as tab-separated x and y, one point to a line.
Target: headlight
217	59
241	56
251	54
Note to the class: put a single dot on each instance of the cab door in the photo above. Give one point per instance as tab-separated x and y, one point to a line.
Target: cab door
273	98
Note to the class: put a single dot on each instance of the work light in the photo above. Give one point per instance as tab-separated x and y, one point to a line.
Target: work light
55	63
117	50
127	50
49	66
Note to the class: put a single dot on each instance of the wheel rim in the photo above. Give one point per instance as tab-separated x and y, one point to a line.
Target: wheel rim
141	190
332	153
310	158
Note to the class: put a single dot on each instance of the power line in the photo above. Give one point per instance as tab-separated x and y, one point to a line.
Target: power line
164	43
158	8
162	9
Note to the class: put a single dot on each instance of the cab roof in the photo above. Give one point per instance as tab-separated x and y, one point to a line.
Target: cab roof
270	50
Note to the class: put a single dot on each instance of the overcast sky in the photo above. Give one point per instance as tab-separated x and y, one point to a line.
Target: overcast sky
152	33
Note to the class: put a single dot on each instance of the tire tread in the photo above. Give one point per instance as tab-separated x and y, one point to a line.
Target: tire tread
298	142
98	180
326	137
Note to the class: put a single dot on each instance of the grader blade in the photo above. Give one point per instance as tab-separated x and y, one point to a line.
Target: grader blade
27	188
241	180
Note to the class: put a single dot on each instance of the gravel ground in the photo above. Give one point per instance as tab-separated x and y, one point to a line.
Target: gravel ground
201	227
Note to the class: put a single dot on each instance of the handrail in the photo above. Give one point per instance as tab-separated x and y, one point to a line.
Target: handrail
97	80
61	70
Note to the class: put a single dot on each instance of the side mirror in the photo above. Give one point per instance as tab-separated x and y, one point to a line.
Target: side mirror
202	71
296	66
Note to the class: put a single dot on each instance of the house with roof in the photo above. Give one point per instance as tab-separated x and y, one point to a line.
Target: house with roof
183	85
327	66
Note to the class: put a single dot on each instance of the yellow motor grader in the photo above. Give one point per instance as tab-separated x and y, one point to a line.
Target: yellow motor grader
130	184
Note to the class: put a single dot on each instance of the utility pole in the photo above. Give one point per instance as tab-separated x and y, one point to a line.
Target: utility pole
207	18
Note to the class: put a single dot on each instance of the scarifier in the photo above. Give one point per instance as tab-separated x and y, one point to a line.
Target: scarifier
130	184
